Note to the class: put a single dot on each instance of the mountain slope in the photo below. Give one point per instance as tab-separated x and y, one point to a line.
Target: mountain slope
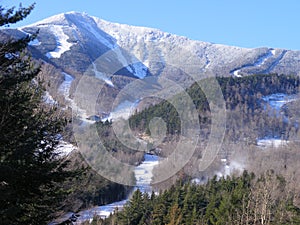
117	54
90	36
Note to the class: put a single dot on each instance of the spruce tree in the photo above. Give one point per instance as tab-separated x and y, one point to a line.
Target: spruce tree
30	168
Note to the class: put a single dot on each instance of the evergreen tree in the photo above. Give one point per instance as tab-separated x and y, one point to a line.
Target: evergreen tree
30	168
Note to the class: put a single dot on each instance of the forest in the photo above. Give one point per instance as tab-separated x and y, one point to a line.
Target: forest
267	194
37	184
245	199
243	97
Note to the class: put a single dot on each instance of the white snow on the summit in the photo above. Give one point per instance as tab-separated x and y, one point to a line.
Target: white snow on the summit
102	39
273	51
121	57
61	40
56	19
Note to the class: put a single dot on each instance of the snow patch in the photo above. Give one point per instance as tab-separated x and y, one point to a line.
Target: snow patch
62	42
143	175
273	51
123	110
271	142
101	39
263	59
34	42
236	73
64	88
276	101
258	63
65	148
102	76
47	98
140	70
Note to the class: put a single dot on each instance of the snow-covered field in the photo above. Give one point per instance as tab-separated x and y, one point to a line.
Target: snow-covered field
143	175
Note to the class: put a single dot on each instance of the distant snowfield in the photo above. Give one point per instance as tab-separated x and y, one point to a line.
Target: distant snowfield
62	42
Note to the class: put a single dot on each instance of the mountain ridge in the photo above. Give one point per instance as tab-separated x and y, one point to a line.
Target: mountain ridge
117	54
150	45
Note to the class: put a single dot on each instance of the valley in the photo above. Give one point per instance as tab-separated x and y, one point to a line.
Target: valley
109	123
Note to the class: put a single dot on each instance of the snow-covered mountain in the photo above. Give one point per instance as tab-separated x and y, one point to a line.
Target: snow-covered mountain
77	34
76	43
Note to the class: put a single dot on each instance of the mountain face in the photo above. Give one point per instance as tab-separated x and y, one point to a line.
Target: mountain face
117	54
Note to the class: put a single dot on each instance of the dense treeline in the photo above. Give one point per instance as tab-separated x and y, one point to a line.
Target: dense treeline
243	97
232	200
89	188
37	183
31	169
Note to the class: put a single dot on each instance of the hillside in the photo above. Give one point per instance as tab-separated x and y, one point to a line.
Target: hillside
118	54
127	91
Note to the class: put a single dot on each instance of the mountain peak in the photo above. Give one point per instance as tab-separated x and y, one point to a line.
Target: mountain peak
153	48
60	19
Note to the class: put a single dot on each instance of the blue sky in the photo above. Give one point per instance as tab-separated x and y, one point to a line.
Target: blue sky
244	23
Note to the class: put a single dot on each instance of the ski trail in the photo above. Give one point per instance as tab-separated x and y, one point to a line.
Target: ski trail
276	62
258	63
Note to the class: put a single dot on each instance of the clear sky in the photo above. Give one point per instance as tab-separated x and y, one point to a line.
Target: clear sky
244	23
